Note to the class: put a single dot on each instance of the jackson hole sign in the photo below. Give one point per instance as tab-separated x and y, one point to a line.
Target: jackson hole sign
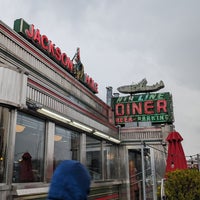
43	43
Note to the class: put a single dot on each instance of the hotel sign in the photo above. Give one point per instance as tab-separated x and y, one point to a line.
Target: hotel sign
154	107
49	48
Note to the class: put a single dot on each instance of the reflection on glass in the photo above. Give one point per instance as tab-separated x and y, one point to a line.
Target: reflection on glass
94	158
4	130
29	149
110	161
66	145
135	174
148	174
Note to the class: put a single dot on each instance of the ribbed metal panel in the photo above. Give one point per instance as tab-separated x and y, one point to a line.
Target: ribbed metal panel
12	86
141	134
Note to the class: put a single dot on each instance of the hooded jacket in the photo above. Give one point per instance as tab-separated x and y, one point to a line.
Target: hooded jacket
26	173
70	181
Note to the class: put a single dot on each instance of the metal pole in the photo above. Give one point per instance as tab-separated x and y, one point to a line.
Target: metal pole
153	174
143	172
198	162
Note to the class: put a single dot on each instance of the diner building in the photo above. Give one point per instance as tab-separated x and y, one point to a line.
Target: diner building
49	112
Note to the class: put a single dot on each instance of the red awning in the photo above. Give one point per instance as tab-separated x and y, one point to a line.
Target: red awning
176	156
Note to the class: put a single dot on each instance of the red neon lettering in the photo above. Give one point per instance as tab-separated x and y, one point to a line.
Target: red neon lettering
66	62
36	37
51	49
30	32
119	109
148	106
119	120
96	87
125	119
128	119
128	109
64	59
70	65
91	83
55	52
44	42
87	79
136	108
58	54
161	105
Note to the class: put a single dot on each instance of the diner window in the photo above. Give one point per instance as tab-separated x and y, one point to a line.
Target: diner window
4	130
94	158
29	149
111	161
66	145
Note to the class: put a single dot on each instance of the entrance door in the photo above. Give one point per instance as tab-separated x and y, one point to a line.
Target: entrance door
135	175
139	173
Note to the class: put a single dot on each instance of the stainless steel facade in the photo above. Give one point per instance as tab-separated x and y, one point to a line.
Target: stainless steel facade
30	80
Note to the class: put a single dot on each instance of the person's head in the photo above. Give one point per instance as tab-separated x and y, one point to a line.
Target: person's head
70	181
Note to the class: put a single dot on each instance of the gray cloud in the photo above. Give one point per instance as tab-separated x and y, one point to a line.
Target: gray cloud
123	41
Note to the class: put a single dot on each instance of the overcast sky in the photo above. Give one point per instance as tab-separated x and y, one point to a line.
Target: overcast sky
123	41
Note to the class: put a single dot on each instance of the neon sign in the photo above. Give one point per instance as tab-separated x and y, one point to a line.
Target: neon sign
48	47
154	107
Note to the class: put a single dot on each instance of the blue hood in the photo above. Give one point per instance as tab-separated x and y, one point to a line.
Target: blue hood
70	181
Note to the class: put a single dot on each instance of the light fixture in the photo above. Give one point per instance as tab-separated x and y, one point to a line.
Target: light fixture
114	140
81	126
64	119
19	128
54	115
57	138
102	135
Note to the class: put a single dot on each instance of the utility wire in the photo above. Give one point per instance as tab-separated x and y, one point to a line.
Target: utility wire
167	153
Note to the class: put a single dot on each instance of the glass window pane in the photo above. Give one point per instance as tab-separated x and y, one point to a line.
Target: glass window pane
110	161
29	149
135	173
148	174
94	158
4	130
66	145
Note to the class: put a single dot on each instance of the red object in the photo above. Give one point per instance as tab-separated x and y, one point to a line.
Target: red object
176	156
26	173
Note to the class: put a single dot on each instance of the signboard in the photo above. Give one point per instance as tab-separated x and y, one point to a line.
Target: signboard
49	48
149	107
